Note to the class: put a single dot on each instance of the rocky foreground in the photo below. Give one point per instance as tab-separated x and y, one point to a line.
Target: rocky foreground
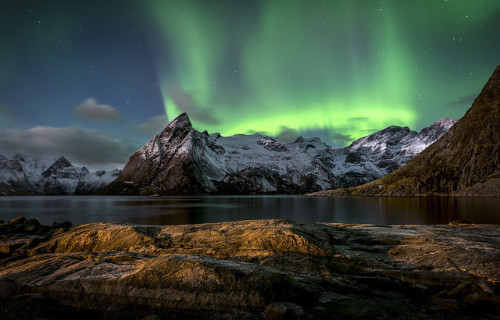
263	269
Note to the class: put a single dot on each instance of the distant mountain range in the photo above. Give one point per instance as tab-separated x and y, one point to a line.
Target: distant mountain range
183	161
382	152
30	176
464	161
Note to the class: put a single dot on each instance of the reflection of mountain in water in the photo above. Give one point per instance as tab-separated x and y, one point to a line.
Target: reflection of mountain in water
192	210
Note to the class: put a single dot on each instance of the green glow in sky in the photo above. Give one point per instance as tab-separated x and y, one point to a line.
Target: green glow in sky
344	68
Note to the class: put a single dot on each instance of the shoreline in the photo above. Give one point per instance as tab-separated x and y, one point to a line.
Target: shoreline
253	269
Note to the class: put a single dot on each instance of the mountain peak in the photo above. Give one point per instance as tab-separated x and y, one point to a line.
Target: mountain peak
177	129
62	162
436	130
491	90
19	157
182	120
444	122
300	139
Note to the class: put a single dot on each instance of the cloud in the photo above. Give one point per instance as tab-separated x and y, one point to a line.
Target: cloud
83	146
153	126
468	100
91	110
185	102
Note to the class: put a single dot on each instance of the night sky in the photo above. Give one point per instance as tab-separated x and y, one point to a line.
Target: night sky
95	80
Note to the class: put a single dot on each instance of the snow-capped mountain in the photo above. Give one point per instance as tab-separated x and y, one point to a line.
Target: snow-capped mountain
181	160
383	152
25	175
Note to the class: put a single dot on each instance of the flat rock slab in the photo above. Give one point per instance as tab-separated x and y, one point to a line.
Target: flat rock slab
260	269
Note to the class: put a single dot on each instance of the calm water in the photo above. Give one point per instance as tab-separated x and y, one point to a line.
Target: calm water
184	210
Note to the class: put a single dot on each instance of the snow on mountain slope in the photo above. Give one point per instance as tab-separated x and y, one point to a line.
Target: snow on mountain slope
23	175
181	160
93	182
294	164
383	152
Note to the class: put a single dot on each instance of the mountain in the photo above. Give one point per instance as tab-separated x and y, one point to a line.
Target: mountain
464	161
30	176
382	152
183	161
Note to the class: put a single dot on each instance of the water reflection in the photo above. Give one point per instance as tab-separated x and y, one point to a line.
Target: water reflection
188	210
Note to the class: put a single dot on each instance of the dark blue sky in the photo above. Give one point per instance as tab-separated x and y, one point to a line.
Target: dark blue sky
59	53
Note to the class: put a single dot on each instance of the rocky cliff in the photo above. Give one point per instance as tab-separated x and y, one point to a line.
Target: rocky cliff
183	161
263	269
464	161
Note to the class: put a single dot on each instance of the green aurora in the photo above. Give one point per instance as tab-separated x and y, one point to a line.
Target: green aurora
347	68
335	69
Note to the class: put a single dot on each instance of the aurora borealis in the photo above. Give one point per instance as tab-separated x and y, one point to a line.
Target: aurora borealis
335	69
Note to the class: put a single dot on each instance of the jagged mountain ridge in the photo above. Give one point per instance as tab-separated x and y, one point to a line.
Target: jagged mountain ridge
183	161
464	161
382	152
23	175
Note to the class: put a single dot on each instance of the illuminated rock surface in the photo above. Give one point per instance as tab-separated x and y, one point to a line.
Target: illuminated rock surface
269	269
